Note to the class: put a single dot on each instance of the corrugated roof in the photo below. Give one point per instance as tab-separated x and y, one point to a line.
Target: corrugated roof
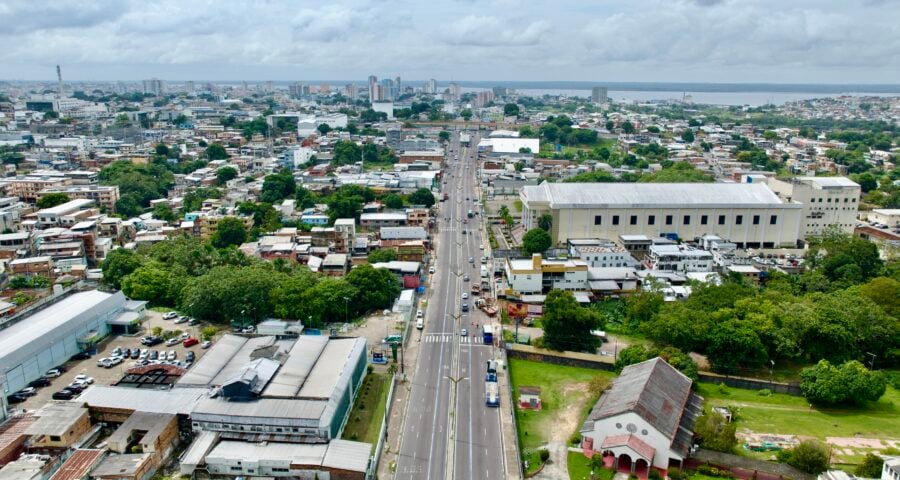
177	401
323	378
292	409
78	465
347	455
650	195
296	368
56	418
295	453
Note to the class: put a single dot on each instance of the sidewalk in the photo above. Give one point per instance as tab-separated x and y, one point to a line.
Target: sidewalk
507	428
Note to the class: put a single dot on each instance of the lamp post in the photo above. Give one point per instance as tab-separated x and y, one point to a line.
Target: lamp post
346	300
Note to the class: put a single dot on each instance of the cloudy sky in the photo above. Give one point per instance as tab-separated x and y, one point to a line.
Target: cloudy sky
777	41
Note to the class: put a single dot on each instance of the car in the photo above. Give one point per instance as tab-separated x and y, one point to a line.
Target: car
169	315
117	352
27	391
40	382
151	341
481	247
465	278
135	353
113	361
420	314
182	319
64	394
104	362
471	260
464	333
16	398
190	342
193	321
250	329
84	378
61	368
465	295
465	307
81	356
76	387
172	341
145	354
189	357
185	336
172	355
154	354
431	270
206	344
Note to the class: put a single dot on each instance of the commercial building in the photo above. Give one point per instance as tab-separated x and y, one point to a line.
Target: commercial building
58	425
338	459
748	214
537	275
52	335
680	259
103	195
68	213
828	202
885	216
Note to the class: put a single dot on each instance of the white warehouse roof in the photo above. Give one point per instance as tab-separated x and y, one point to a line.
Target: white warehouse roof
653	195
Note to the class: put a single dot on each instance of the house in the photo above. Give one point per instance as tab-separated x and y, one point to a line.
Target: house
59	425
530	398
891	469
645	419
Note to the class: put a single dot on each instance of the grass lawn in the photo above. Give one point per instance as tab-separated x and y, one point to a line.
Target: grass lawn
566	397
368	411
786	414
580	469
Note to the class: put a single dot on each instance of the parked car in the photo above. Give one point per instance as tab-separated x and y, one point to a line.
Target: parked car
189	357
465	295
64	394
154	341
430	269
171	341
76	387
185	336
206	344
16	398
172	355
193	321
40	382
250	329
169	315
117	352
104	362
53	373
113	361
154	354
135	353
182	319
84	378
81	356
190	342
27	391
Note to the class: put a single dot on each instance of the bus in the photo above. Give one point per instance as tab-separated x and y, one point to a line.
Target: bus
488	334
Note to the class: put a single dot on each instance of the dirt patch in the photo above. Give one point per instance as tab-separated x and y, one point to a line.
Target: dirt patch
566	420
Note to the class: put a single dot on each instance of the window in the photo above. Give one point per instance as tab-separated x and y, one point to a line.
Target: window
615	219
704	219
773	220
829	199
721	219
651	219
739	220
633	220
598	220
668	219
756	219
687	220
55	438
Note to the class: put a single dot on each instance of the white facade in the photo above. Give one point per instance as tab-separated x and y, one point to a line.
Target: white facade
510	144
384	107
827	202
307	125
622	425
750	215
886	216
298	156
680	258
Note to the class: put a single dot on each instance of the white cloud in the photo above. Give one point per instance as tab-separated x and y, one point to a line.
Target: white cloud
487	31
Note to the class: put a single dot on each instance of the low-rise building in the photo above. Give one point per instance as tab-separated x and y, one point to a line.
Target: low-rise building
679	258
537	275
59	425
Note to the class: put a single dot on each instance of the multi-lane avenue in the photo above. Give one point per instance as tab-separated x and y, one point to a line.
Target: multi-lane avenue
448	431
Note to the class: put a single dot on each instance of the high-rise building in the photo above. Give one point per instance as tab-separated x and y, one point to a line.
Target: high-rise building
295	89
499	91
388	88
455	91
373	88
154	86
397	87
189	86
352	90
431	86
599	95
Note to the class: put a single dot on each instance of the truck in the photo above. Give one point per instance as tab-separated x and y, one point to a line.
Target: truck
491	394
484	271
470	214
476	289
488	309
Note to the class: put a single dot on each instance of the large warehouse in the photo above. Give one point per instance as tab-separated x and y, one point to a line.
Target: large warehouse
747	214
50	336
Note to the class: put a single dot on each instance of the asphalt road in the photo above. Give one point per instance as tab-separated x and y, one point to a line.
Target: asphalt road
448	430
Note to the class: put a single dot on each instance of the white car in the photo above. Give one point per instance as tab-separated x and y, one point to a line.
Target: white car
103	362
27	391
172	341
206	344
420	314
113	361
84	378
53	373
465	295
169	315
171	355
431	270
481	247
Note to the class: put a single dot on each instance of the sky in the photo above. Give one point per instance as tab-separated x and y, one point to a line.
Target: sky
716	41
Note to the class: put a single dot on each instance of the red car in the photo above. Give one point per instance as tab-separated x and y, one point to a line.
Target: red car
190	342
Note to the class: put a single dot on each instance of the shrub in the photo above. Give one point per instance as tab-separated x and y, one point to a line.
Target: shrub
764	393
675	473
654	475
870	467
810	456
544	454
370	369
715	433
575	439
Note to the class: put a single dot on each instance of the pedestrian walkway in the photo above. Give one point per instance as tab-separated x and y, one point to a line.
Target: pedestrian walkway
449	337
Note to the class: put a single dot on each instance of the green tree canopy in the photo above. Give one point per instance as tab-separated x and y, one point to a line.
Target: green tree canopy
154	283
545	222
382	255
422	196
393	201
688	136
232	294
377	287
715	433
229	231
224	174
850	382
52	199
278	186
871	466
511	110
163	212
811	456
118	264
288	299
567	325
444	136
536	240
216	152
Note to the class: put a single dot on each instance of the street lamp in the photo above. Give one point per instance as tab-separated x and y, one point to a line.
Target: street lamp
346	299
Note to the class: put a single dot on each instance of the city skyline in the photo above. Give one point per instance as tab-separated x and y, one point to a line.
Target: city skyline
714	41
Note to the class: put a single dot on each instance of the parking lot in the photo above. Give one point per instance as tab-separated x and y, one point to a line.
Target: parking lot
109	376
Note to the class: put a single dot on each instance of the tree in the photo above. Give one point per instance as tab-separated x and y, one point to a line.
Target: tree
639	353
444	136
628	127
289	296
422	196
845	258
393	201
346	153
688	136
163	212
216	152
810	456
567	325
224	174
679	172
536	240
511	110
162	149
466	114
232	294
153	283
715	433
277	187
52	199
377	287
229	231
325	302
653	129
851	382
118	264
733	343
382	255
323	128
545	222
884	292
870	467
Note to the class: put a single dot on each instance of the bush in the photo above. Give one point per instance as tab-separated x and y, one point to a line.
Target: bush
764	393
711	471
654	475
370	368
675	473
850	382
715	433
810	456
544	454
870	467
575	439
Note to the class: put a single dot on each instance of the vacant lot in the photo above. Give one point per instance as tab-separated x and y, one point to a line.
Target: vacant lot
368	411
567	395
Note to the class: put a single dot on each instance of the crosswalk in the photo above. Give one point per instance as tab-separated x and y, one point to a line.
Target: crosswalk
446	338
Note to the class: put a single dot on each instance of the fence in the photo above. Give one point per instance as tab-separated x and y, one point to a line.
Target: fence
512	414
382	433
730	461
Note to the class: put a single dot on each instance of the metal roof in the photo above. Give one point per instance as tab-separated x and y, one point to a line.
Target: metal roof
332	363
347	455
56	418
177	401
654	195
77	466
289	409
293	453
296	368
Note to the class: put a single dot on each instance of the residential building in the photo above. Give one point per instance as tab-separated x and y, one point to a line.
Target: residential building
750	215
828	202
154	86
385	107
537	275
645	419
68	213
680	259
28	187
103	195
599	95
